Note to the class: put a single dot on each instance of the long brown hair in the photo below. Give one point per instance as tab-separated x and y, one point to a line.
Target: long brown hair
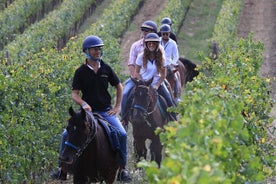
159	61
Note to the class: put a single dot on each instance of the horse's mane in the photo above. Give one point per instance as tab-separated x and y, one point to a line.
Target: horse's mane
190	68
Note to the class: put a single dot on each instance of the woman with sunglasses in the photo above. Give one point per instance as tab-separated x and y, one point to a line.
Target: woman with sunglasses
172	54
167	20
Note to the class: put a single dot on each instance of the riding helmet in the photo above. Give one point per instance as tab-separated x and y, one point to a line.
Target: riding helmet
91	41
165	28
150	25
152	37
166	20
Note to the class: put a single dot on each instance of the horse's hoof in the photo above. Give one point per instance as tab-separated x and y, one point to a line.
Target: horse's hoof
123	176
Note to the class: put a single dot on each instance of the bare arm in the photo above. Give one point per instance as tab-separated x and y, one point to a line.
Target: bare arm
76	97
137	72
119	95
162	77
131	69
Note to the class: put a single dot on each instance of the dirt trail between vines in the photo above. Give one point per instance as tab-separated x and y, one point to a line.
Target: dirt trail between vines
149	10
259	17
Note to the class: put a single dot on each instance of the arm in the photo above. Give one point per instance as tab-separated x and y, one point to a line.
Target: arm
131	69
132	58
175	54
137	72
76	97
119	95
162	78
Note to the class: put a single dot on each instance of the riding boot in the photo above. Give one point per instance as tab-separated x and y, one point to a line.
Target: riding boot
59	175
123	176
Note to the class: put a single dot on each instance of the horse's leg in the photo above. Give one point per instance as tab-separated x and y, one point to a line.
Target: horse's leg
140	148
156	150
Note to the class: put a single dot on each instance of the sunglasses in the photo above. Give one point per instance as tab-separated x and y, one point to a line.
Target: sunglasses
165	34
97	48
146	30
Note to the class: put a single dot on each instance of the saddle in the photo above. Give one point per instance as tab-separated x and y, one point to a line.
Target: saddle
111	132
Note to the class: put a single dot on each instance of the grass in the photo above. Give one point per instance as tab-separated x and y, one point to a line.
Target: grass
197	29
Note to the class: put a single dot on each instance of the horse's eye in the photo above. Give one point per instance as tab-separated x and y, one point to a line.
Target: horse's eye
75	127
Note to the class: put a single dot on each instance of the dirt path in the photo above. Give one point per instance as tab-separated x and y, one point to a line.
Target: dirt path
258	16
149	10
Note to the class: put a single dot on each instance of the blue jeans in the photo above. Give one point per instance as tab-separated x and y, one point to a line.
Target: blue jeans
176	86
163	91
129	84
115	122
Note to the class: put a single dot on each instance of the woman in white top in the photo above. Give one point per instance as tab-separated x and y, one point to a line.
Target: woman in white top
151	63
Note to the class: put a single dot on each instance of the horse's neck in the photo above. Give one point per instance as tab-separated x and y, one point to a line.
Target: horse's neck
153	99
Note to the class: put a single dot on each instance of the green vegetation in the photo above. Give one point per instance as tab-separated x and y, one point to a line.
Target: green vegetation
195	35
220	137
36	99
21	14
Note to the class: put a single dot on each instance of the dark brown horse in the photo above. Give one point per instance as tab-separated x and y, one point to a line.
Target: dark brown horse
88	153
186	71
146	115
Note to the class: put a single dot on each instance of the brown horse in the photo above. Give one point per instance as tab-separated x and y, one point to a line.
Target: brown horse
147	113
88	153
185	71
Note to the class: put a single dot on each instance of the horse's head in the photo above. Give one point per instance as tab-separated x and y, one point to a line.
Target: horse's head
171	77
143	100
190	69
78	129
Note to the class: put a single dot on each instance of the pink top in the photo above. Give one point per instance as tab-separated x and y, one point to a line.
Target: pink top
136	48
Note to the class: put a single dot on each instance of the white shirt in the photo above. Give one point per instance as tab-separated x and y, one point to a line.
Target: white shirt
171	51
150	71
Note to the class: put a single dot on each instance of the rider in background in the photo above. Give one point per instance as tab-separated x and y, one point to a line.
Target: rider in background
90	90
171	53
167	20
136	48
151	64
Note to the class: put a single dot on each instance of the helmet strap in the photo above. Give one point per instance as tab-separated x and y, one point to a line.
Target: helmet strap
88	56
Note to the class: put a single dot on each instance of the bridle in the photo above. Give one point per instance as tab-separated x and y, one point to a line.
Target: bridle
93	131
146	110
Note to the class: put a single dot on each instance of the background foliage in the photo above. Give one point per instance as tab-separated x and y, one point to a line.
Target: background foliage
221	135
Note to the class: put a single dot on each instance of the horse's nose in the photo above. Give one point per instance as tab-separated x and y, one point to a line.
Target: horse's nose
66	159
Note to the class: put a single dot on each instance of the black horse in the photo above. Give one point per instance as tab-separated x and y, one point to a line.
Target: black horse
88	153
147	113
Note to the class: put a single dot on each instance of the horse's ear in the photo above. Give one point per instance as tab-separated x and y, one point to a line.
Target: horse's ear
134	80
148	82
71	111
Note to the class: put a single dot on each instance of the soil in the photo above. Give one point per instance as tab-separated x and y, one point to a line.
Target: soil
258	16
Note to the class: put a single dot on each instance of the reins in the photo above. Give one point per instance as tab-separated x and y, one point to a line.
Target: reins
91	136
145	110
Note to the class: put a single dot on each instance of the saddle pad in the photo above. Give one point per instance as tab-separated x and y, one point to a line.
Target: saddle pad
112	133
